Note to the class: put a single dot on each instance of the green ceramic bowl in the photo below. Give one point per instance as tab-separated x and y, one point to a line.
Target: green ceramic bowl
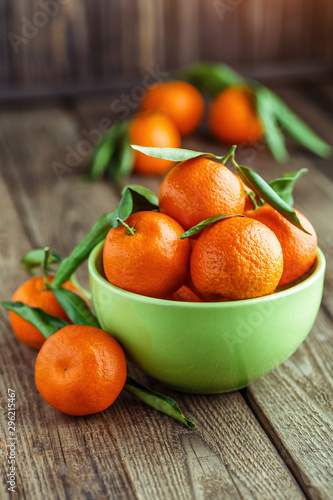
207	347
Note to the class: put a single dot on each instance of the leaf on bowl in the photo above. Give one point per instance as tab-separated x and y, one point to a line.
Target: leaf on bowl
205	223
262	189
284	186
134	199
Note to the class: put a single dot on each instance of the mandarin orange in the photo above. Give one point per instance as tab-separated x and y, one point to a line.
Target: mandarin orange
153	261
198	189
233	118
34	294
180	100
236	258
80	370
299	249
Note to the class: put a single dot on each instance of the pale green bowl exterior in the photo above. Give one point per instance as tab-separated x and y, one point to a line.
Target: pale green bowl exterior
207	348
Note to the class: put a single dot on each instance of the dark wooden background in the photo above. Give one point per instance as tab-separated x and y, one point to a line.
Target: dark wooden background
59	46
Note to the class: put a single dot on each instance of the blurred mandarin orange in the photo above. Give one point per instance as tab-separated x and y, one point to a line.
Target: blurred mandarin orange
180	100
153	129
233	118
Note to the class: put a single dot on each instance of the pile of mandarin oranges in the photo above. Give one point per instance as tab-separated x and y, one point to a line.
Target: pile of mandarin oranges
245	255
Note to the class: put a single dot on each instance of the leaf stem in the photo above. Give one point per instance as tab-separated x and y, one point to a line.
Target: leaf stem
230	153
129	230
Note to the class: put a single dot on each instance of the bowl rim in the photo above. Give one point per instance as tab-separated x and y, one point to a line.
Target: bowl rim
317	273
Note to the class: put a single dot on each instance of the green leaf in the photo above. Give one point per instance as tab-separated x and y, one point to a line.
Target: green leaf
301	132
101	159
106	151
144	192
179	155
284	186
158	401
172	154
82	251
45	323
124	159
134	199
210	78
272	132
123	209
75	307
35	258
205	223
264	191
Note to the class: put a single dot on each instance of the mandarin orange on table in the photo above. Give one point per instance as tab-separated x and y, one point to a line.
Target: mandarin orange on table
299	249
236	258
180	100
233	118
153	129
198	189
80	370
153	260
33	293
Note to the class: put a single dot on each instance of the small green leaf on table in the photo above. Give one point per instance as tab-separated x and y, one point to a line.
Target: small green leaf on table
45	323
272	132
296	128
108	150
162	403
172	154
210	78
123	162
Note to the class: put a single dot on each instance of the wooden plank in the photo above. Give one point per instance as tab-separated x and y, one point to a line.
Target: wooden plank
93	456
304	382
303	436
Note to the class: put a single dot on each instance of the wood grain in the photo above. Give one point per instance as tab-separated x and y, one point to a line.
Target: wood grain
130	450
294	405
77	43
304	382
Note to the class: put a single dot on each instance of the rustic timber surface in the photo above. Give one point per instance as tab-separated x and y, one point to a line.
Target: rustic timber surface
270	441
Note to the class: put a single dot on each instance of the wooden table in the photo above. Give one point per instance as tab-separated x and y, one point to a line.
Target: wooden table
270	441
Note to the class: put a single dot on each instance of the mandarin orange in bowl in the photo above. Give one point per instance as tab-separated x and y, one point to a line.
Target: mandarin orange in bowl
208	347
